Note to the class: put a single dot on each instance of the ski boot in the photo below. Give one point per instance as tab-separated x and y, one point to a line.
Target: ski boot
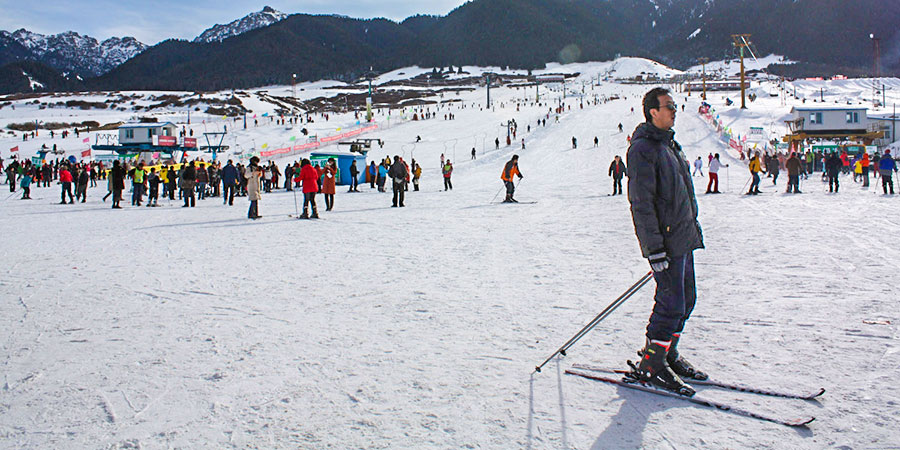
653	369
305	214
681	366
315	214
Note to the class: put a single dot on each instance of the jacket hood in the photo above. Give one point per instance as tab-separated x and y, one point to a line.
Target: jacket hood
649	131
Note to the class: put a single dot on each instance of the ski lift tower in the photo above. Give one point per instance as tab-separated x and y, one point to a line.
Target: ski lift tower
215	148
369	77
703	61
487	77
742	41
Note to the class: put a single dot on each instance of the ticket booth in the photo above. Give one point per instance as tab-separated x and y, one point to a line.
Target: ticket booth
344	160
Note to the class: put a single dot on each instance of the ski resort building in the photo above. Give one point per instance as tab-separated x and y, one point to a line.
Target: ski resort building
143	133
887	124
715	85
831	123
148	139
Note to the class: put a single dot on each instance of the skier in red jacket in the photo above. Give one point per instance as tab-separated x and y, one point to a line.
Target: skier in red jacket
309	176
65	179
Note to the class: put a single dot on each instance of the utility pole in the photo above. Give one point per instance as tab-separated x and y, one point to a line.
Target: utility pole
369	98
704	61
488	84
741	41
876	54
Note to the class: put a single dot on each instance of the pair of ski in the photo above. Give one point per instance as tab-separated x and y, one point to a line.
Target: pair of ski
625	378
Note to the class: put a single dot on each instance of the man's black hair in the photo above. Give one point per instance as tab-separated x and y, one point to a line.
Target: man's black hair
651	101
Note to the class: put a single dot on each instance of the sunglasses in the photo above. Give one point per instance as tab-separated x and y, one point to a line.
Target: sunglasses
670	106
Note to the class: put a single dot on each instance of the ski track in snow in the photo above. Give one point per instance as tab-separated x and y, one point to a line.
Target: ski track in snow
419	327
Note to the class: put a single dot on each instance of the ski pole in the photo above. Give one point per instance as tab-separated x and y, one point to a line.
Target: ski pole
498	193
296	211
603	314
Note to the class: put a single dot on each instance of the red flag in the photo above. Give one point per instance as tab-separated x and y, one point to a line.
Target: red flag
14	149
86	153
86	140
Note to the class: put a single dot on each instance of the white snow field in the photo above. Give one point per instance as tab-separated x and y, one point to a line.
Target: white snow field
420	327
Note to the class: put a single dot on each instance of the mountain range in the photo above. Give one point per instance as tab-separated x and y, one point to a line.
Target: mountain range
825	36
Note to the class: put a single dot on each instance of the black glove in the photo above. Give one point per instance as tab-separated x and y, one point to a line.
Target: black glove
658	261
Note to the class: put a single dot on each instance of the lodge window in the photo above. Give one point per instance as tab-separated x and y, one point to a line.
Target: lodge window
815	117
129	134
852	117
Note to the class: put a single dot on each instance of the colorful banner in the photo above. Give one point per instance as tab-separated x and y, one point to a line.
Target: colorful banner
190	142
314	144
86	140
86	153
14	149
167	141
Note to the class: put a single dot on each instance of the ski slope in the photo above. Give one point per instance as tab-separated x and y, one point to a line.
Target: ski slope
420	327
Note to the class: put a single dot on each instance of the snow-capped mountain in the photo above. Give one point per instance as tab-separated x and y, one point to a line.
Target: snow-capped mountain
252	21
75	53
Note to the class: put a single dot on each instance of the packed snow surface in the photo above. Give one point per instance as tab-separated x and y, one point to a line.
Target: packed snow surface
420	327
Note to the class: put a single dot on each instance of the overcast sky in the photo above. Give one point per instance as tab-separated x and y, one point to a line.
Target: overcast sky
154	21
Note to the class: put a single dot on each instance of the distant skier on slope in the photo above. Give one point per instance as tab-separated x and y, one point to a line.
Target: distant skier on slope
617	171
664	211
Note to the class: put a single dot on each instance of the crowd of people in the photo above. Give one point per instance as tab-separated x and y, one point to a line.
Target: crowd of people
832	165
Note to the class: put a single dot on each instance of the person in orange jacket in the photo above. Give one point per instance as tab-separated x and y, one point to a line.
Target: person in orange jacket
310	179
328	182
510	170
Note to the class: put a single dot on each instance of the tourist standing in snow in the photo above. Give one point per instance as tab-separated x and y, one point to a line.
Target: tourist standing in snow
11	175
398	174
82	182
202	181
714	166
153	182
65	179
617	171
417	173
793	169
137	184
833	167
25	182
755	168
354	177
664	211
328	183
253	173
117	177
698	167
864	162
188	178
229	182
447	171
310	179
172	182
373	175
887	166
773	167
510	170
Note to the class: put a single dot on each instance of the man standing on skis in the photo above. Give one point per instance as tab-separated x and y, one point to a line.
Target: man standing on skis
510	170
664	211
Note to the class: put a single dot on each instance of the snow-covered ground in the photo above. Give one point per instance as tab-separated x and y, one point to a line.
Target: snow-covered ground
420	327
